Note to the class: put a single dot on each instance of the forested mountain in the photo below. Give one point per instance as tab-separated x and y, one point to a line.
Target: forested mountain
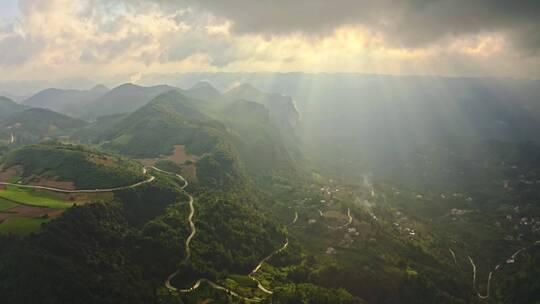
67	102
122	99
84	168
282	108
8	107
317	198
35	124
173	119
269	152
204	91
170	119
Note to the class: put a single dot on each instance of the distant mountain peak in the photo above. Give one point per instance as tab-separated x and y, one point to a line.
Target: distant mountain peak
6	100
204	91
203	85
127	85
244	88
100	88
282	108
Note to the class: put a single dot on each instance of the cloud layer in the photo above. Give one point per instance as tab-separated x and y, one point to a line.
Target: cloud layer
101	38
407	23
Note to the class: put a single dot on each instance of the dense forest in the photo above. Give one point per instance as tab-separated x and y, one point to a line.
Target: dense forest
266	220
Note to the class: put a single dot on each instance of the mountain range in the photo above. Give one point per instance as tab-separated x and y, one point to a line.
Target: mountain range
366	197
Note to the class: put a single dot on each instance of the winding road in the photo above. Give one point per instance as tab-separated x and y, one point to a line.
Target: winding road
295	218
258	267
191	215
254	271
214	285
344	225
453	256
495	269
474	271
189	238
149	180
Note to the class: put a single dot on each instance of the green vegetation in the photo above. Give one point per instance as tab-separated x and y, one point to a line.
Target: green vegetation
309	293
21	225
173	119
8	107
414	223
87	169
33	198
35	124
170	119
125	98
6	204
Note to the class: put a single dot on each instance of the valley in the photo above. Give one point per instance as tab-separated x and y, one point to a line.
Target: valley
195	195
272	152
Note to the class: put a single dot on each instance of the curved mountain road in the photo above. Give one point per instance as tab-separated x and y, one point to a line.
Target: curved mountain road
258	267
497	267
214	285
149	180
350	220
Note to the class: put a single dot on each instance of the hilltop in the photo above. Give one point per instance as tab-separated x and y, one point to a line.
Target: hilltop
8	107
65	101
122	99
69	167
172	119
35	124
282	108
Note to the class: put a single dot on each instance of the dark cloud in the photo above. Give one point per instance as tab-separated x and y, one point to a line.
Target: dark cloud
408	23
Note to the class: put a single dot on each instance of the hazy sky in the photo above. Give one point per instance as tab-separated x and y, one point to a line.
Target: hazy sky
98	39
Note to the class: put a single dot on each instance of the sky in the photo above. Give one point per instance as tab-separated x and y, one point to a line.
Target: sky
128	39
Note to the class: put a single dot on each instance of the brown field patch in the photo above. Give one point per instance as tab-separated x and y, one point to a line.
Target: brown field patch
180	156
335	215
4	216
81	198
189	172
8	173
30	211
15	171
102	160
148	162
51	183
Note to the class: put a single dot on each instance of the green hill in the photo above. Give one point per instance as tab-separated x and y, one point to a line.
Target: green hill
122	99
35	124
262	145
65	101
282	108
170	119
173	119
8	107
86	169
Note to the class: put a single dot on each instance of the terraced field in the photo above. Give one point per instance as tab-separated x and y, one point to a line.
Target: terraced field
33	198
22	211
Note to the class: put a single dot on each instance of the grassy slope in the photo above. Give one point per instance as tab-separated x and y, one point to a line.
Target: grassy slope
21	225
87	169
33	198
6	204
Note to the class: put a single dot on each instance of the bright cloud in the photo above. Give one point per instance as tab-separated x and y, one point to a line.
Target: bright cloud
99	39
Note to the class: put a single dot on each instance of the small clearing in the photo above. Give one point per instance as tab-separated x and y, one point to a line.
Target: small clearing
179	157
